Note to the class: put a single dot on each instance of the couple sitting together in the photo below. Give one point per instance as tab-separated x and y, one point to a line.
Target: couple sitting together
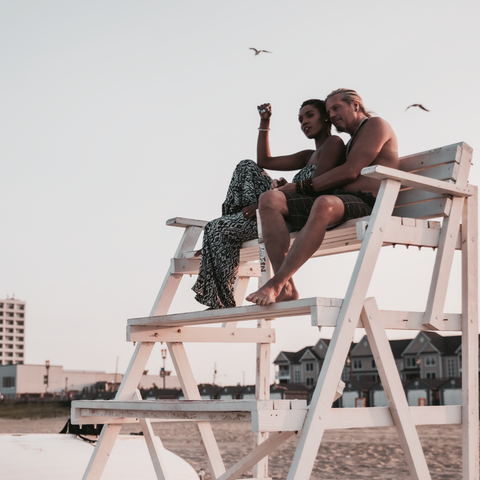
327	191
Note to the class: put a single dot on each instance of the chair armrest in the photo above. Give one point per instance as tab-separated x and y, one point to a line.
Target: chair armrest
417	181
185	222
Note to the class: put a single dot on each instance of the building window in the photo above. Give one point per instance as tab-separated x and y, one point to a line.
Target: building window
346	374
20	322
20	347
8	382
450	367
10	346
372	364
310	381
410	362
20	355
10	305
309	367
297	375
357	365
431	375
430	361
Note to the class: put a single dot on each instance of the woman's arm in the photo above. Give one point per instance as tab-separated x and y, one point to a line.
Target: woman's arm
295	161
332	156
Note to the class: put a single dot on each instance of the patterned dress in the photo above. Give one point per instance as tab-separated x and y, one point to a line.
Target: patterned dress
223	236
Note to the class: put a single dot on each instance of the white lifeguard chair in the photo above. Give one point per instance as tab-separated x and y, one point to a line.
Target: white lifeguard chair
428	185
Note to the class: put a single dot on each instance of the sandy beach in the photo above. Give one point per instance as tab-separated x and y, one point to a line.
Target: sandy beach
344	454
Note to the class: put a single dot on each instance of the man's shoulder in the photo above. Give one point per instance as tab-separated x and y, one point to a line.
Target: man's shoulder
375	123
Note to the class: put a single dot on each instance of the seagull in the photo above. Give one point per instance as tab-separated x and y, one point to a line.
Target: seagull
417	105
258	52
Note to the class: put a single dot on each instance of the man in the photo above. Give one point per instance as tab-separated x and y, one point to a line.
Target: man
328	199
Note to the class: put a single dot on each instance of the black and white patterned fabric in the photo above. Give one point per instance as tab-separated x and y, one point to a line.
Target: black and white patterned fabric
223	236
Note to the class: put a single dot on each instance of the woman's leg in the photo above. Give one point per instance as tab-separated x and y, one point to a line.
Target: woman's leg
220	259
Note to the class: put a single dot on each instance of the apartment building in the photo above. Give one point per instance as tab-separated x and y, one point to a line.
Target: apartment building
12	331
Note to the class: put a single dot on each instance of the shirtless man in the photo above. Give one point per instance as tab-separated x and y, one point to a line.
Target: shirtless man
337	195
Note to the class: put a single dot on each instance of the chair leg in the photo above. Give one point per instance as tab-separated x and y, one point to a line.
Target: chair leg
397	401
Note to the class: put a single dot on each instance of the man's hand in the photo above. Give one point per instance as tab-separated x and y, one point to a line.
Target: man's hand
280	182
288	187
250	212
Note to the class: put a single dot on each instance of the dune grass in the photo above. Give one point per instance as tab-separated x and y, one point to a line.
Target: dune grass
16	410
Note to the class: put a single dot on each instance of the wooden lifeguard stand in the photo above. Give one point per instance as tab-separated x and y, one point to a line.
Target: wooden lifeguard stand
432	184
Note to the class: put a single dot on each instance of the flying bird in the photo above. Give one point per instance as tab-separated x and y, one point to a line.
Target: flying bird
258	52
417	105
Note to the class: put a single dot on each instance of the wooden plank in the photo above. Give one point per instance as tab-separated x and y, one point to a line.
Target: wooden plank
432	209
139	333
190	266
262	361
256	455
175	405
141	413
244	313
154	446
126	391
190	391
185	222
470	410
320	406
443	265
394	391
338	418
417	181
432	157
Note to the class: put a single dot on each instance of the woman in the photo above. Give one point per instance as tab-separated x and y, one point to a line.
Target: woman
223	236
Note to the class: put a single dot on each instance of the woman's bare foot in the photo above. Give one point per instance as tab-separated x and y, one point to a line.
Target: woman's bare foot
272	292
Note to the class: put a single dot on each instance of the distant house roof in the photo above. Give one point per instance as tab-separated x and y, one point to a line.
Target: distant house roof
292	357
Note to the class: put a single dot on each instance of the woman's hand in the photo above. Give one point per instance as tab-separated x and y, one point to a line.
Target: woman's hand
265	111
277	183
288	187
250	212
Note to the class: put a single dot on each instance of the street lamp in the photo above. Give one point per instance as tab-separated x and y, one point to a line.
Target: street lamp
162	370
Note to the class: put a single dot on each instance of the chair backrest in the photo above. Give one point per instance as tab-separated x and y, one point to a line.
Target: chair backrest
450	164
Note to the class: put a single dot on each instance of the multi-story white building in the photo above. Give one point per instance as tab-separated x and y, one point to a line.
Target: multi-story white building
12	332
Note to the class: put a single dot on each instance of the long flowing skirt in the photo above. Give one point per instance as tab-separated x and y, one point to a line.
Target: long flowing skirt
223	237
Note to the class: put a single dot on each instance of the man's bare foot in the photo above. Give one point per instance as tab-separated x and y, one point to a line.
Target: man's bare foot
273	292
289	292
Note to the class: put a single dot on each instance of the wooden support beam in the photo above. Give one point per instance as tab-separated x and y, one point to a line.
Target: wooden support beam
139	333
320	406
470	410
394	391
254	457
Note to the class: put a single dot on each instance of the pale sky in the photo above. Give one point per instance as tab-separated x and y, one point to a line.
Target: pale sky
117	115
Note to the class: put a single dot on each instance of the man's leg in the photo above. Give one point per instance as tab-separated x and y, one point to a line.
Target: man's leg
326	210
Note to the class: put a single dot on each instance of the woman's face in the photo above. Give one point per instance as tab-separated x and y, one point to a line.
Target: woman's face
312	122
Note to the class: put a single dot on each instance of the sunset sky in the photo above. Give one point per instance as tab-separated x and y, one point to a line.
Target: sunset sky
116	115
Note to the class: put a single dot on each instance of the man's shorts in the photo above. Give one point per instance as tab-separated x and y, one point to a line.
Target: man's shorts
357	204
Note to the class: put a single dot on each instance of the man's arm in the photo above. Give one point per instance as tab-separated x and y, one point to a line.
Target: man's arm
376	144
